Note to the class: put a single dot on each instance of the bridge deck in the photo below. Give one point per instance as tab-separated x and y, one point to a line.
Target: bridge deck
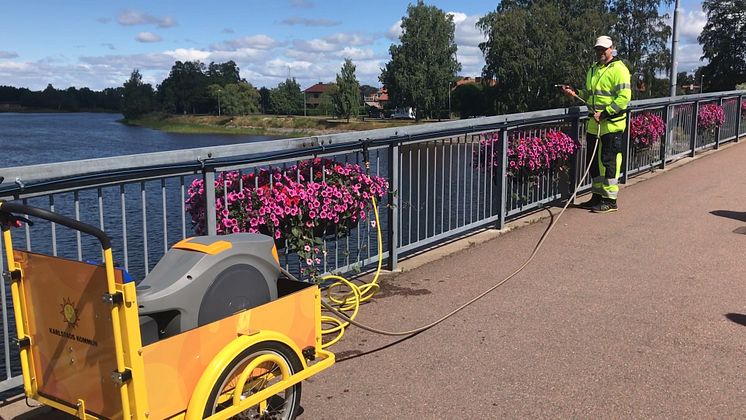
639	313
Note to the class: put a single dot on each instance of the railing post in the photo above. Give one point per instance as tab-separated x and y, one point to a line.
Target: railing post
693	140
667	117
717	127
573	170
210	218
393	211
625	150
503	186
739	112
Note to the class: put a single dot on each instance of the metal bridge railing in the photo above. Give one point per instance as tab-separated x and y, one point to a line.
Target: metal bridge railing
440	191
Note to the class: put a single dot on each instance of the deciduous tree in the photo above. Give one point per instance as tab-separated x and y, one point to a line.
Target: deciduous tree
424	62
240	99
534	44
137	97
287	98
723	41
641	36
346	97
185	88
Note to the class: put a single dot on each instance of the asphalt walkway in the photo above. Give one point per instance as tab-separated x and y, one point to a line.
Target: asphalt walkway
635	314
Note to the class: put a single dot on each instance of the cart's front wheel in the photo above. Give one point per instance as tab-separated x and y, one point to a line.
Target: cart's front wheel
258	367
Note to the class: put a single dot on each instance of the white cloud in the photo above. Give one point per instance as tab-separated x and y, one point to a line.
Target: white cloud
187	54
355	53
259	42
152	61
466	32
133	17
8	54
314	45
394	31
14	66
296	20
148	37
690	25
349	39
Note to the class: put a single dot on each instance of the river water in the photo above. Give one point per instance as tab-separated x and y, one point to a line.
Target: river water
29	139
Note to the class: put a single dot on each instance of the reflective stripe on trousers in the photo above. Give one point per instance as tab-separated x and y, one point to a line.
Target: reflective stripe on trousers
606	166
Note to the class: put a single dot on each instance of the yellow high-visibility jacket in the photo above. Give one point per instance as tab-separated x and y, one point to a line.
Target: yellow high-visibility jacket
608	90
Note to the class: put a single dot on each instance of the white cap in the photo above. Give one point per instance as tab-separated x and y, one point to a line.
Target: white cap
603	41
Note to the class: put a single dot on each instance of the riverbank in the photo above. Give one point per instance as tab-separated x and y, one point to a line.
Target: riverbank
266	125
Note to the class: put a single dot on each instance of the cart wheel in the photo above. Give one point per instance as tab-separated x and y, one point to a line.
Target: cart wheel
283	405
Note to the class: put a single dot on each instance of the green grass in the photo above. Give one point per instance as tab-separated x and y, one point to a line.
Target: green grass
264	125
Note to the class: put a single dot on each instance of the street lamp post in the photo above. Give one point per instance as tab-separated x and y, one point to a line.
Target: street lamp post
449	99
220	93
701	82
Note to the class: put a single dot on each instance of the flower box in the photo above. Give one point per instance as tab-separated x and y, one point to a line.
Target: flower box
527	155
645	129
710	116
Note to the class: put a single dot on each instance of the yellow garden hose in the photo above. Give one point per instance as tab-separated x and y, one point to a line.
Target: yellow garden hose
348	303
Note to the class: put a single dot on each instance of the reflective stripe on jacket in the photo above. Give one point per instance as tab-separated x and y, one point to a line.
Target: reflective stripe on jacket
608	88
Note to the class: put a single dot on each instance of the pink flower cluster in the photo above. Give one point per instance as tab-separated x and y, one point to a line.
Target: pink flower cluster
646	128
528	154
710	116
298	204
743	107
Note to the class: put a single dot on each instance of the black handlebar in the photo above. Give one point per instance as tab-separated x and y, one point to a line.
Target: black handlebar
7	208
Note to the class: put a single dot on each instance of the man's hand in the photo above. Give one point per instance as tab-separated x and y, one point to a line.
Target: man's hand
568	90
597	116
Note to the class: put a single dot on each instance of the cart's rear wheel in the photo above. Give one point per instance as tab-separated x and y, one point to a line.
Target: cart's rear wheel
283	405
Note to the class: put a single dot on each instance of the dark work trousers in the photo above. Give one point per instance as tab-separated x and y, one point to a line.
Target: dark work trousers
605	164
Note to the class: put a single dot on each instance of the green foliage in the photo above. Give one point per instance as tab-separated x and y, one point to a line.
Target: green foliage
137	97
240	99
223	73
534	44
641	36
469	100
185	88
287	98
367	90
723	41
346	96
424	63
326	102
216	92
264	100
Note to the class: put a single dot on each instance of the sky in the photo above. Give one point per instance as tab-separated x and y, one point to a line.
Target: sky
98	43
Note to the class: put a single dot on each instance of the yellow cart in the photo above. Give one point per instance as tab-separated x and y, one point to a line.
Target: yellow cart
81	350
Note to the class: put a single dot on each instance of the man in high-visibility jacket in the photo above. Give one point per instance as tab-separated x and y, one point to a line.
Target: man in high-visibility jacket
607	92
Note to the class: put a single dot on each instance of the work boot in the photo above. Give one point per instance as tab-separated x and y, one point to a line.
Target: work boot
595	199
606	205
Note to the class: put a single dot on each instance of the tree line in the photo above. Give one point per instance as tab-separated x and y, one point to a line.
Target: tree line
68	100
195	88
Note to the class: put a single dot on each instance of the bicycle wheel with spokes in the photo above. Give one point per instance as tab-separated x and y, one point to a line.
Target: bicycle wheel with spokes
258	367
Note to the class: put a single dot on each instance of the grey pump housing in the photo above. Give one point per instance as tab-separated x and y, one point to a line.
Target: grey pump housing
204	279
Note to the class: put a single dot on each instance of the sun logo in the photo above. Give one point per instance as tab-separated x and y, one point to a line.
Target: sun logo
69	312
